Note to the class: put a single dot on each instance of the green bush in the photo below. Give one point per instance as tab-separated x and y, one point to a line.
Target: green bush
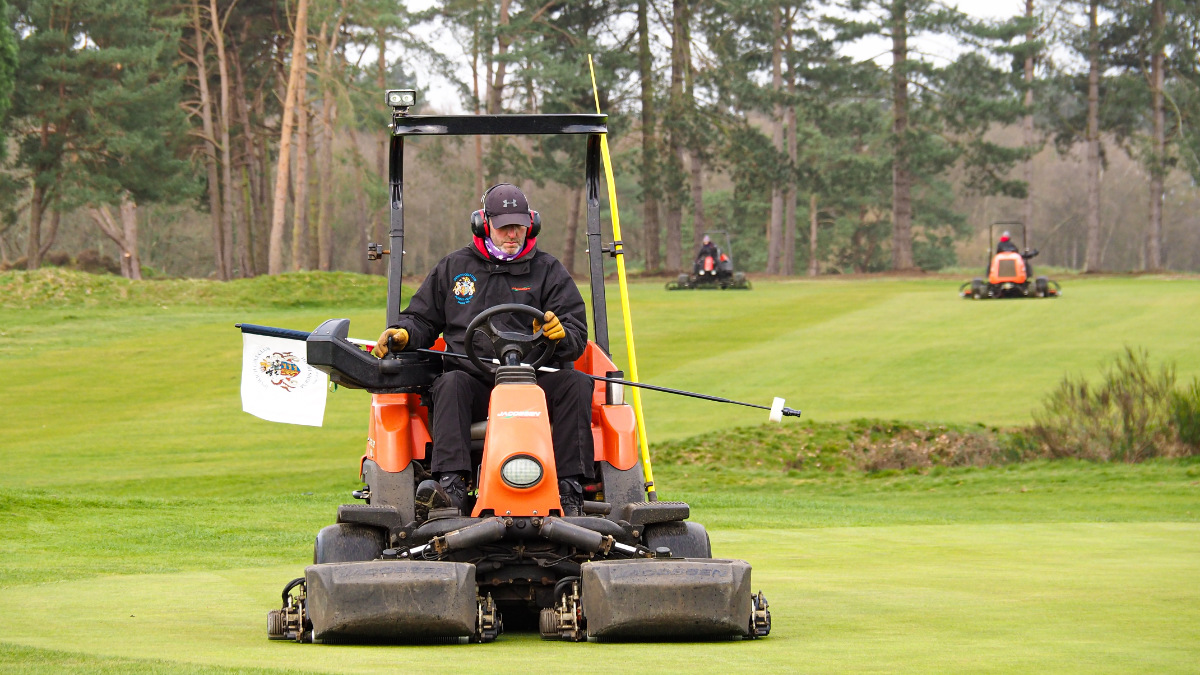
1133	414
1185	413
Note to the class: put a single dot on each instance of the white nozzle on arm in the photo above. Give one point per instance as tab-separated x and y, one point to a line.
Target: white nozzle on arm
777	410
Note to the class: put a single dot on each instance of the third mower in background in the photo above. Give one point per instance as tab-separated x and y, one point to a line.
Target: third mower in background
1009	273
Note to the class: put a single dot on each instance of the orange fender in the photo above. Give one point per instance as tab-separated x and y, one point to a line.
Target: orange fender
398	431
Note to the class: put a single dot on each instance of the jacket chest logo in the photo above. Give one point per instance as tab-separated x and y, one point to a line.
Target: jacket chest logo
464	288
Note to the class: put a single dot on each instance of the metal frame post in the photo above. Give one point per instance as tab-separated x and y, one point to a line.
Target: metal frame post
396	227
595	243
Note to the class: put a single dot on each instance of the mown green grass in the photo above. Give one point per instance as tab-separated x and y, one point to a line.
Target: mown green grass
149	524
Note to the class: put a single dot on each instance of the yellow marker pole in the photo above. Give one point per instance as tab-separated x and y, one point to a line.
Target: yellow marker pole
619	253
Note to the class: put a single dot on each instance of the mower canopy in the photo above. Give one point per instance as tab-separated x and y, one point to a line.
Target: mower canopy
630	567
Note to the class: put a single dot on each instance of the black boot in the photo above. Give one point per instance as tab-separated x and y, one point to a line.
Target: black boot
448	491
570	493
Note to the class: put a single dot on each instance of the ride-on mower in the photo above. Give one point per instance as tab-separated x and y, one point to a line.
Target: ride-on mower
1009	274
388	570
712	271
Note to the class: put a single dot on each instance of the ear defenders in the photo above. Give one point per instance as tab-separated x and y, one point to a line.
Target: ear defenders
479	224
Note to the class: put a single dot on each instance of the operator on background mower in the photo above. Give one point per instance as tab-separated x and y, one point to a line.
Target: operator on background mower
501	265
1006	245
707	248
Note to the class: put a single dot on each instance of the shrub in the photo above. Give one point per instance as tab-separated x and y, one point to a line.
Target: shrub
890	448
58	259
94	262
1185	414
1128	417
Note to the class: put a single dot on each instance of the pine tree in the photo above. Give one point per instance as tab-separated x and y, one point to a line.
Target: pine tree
96	111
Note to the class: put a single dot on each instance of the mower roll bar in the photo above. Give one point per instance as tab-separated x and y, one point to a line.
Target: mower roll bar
591	125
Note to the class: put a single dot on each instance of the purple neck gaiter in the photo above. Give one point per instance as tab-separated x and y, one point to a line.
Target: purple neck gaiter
497	252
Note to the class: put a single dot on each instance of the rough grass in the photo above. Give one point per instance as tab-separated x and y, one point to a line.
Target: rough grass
57	287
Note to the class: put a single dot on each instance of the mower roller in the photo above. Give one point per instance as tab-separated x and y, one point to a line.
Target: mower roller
630	567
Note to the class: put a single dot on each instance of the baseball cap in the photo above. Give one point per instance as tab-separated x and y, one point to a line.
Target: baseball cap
505	204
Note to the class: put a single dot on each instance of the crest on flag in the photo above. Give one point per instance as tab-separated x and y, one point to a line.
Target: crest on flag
280	369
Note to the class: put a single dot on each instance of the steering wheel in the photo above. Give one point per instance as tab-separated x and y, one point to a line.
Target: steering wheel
505	342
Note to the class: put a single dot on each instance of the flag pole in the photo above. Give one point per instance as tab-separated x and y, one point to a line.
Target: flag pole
619	253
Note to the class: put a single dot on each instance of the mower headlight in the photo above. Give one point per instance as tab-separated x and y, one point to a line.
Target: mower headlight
521	471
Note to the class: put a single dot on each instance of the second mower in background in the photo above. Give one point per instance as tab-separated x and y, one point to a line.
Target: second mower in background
1009	273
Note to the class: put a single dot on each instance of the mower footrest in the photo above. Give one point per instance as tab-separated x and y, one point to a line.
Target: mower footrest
385	517
645	513
391	600
695	598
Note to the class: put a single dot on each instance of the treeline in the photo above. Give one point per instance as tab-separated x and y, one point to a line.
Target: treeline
260	124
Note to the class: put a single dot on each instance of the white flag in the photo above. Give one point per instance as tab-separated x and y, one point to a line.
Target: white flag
278	385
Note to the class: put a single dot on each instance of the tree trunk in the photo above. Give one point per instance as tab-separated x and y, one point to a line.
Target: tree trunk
1092	255
377	225
574	198
775	224
496	89
129	224
261	237
1154	247
1027	129
210	150
124	234
325	160
52	234
278	212
227	210
789	120
33	247
698	220
478	107
650	177
248	185
677	109
813	221
902	256
362	235
301	249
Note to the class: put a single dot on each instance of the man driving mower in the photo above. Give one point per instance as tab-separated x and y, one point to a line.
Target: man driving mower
501	265
1006	245
707	249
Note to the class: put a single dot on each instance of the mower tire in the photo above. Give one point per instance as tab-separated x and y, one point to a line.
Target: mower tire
347	542
1041	286
977	290
685	539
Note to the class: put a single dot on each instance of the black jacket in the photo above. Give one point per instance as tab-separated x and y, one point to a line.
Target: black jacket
1006	246
708	249
467	281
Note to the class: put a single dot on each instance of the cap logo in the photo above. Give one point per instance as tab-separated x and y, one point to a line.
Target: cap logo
509	203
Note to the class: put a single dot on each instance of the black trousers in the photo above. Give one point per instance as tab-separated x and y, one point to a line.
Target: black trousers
460	399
